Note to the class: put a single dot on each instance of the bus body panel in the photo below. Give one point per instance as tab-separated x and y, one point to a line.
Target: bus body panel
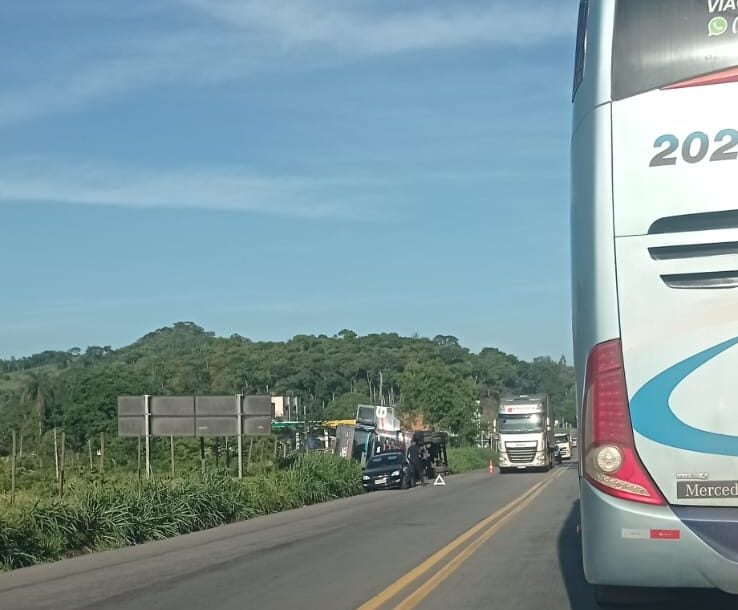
682	419
594	89
685	421
594	289
699	176
618	548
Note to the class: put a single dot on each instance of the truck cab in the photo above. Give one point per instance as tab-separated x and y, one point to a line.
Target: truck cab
524	434
563	442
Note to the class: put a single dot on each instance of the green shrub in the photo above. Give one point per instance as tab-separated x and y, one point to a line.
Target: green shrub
464	459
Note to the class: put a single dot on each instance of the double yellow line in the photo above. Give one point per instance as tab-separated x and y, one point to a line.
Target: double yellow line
481	532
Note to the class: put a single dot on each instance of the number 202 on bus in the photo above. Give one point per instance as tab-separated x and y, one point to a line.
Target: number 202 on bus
695	148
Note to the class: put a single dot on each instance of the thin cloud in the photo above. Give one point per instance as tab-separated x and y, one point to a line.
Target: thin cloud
255	35
96	302
183	58
345	27
44	181
354	196
359	196
317	304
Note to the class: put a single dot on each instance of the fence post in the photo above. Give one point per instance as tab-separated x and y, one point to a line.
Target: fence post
202	454
171	451
56	456
102	452
138	461
61	464
89	451
12	472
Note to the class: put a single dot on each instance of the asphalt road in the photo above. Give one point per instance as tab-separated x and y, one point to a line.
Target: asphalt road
503	541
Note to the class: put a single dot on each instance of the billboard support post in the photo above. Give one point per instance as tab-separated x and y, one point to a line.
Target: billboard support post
147	433
239	414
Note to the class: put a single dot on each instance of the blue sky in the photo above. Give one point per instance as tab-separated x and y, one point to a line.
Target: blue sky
278	168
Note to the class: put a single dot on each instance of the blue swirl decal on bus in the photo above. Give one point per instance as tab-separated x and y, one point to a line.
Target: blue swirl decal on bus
653	418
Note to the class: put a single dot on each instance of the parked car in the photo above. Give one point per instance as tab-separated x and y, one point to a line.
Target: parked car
386	471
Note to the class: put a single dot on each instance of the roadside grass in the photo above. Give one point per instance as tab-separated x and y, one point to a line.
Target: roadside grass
120	511
466	459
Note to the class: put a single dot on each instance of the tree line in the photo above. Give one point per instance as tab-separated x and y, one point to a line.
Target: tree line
434	377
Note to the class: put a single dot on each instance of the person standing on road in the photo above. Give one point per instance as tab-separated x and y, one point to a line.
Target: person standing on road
413	456
425	460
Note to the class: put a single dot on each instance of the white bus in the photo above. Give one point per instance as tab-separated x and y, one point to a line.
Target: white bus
654	221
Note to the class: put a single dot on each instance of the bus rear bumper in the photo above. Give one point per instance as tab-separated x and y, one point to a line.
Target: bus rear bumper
637	545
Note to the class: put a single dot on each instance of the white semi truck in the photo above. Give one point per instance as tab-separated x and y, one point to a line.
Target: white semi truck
525	435
564	443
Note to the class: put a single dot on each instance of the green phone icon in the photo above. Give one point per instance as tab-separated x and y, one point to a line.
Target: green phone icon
717	26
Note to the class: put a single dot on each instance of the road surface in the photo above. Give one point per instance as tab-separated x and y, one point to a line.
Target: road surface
481	541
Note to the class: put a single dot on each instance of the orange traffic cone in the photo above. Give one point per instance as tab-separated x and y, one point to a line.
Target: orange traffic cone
491	468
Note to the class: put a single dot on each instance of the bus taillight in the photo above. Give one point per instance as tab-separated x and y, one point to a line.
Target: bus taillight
610	460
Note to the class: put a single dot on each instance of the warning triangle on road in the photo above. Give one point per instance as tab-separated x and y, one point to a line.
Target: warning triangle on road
439	481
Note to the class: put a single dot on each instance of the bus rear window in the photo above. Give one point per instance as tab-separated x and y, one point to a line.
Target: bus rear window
581	46
664	42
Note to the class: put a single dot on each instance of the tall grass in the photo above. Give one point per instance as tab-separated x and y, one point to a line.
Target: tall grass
103	515
465	459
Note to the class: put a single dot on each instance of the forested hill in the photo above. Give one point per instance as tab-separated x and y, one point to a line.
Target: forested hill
437	377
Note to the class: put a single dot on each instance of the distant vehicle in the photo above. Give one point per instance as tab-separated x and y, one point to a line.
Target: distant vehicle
573	441
376	426
557	454
564	444
386	471
375	430
435	443
525	436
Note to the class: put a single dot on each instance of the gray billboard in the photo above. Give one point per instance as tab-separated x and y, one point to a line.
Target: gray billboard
195	416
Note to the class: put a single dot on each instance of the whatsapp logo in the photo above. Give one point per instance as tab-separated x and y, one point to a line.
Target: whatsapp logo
717	26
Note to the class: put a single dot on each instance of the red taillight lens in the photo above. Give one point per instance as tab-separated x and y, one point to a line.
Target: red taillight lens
610	460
